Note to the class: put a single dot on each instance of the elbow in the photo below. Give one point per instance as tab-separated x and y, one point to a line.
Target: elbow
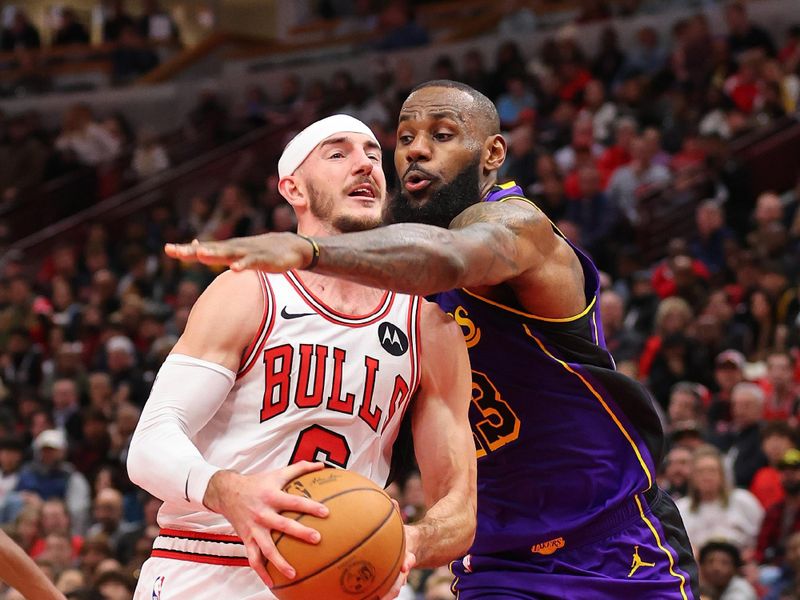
136	462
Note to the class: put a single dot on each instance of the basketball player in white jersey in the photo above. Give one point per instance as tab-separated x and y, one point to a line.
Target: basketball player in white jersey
274	372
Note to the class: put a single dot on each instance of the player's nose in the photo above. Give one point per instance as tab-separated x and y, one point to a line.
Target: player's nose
362	164
418	150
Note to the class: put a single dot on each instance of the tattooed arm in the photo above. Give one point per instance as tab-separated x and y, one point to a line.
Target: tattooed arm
488	244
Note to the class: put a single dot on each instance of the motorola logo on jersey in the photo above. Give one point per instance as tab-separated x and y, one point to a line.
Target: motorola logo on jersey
392	339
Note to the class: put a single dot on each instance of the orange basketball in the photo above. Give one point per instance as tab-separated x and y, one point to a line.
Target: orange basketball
362	546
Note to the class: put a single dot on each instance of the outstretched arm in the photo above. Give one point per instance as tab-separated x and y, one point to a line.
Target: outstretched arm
486	245
444	445
20	572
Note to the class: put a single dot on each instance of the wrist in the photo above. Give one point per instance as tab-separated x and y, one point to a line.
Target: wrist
218	484
311	253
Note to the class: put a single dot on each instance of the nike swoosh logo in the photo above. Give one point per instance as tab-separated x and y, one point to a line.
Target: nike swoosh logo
287	315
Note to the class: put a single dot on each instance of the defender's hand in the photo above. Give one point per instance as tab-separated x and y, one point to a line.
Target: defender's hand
252	504
270	252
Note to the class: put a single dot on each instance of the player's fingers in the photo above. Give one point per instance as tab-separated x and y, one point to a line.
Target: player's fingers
257	561
291	527
408	563
181	251
271	553
395	591
251	261
297	469
301	504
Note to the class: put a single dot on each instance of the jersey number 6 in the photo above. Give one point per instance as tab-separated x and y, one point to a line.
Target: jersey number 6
318	444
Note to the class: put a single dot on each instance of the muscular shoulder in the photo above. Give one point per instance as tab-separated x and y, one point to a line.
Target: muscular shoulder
224	319
519	216
440	334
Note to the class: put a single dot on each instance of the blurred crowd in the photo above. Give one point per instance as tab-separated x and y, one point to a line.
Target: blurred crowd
713	328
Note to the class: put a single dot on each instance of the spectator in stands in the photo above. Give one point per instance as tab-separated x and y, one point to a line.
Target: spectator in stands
207	120
11	455
680	274
399	29
685	405
84	140
787	585
602	111
632	183
743	35
49	476
781	392
617	154
149	155
521	157
107	518
715	510
517	99
70	30
728	372
777	438
593	214
65	400
713	237
782	518
115	20
92	450
54	519
676	472
21	35
474	72
759	318
155	24
121	363
720	562
148	528
743	442
22	360
648	57
582	143
132	57
22	160
609	58
624	343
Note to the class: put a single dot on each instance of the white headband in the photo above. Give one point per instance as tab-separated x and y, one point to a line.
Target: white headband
304	142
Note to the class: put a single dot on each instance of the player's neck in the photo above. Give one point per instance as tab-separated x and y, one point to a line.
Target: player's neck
342	295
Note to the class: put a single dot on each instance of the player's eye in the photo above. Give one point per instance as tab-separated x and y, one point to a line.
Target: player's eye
405	139
442	136
336	155
374	157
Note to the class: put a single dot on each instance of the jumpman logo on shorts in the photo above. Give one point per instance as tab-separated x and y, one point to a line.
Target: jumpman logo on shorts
638	562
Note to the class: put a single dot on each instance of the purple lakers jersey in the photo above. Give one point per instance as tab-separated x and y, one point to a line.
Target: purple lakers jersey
561	436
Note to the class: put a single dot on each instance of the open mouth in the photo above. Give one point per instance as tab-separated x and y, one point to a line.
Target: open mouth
363	191
416	181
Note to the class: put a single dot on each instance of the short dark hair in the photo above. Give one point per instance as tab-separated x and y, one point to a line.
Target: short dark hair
721	546
485	107
778	428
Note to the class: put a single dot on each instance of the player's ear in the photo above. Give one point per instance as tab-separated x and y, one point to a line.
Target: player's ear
494	153
291	191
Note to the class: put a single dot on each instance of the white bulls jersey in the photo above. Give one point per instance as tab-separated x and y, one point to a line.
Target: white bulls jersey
313	385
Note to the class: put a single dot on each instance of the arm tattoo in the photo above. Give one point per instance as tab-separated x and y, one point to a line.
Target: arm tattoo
480	248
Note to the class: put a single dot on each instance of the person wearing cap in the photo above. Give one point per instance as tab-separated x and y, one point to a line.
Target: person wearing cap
276	370
782	518
49	475
728	371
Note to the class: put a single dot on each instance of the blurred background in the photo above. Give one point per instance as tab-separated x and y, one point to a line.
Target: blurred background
661	136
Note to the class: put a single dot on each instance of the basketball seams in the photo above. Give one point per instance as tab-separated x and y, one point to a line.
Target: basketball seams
399	559
343	555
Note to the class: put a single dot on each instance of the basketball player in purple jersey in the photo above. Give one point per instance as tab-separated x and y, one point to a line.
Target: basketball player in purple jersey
568	505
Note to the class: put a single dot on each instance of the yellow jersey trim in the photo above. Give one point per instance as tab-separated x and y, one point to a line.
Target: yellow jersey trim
529	315
672	571
602	402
